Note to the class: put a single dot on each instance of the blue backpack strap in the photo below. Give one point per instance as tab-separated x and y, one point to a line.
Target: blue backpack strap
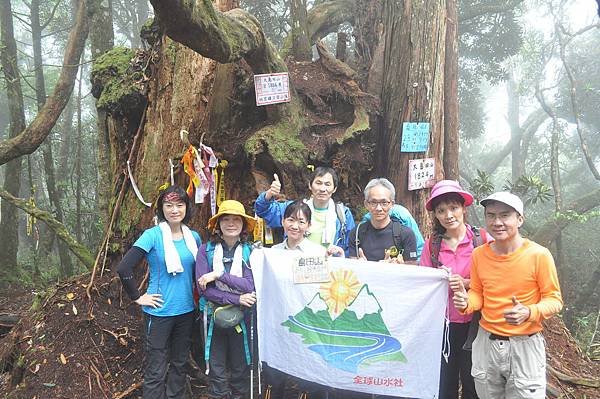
246	250
211	325
210	254
246	347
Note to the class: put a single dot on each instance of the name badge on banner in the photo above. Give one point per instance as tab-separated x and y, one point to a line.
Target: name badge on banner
311	269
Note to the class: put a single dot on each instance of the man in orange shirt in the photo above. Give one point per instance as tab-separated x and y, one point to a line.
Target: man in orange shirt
515	285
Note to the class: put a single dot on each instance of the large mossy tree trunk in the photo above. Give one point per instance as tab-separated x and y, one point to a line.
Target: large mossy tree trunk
203	83
413	91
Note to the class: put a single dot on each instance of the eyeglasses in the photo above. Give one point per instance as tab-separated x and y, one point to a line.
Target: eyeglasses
375	204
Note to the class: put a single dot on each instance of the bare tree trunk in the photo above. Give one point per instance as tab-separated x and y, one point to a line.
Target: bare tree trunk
301	49
451	111
102	40
54	193
143	12
78	165
341	46
515	129
589	159
413	91
9	223
66	142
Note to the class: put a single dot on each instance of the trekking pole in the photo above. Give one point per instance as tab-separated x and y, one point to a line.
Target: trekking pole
252	353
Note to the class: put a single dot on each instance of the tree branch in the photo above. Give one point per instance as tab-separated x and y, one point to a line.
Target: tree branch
34	134
225	37
78	249
574	103
552	228
489	8
530	126
323	19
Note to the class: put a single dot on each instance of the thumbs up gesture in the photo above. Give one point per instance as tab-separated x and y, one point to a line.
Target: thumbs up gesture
275	188
460	298
518	314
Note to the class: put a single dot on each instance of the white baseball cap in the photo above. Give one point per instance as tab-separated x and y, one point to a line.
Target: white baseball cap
506	198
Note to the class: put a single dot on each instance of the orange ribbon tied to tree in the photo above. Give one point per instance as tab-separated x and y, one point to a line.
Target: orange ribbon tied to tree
188	167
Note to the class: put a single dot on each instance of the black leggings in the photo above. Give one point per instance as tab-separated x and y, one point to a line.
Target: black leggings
458	366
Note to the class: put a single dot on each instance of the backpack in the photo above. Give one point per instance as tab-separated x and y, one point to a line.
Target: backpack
340	210
401	214
396	233
210	253
479	238
435	244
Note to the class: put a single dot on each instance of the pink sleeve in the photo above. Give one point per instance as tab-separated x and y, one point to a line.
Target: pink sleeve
426	255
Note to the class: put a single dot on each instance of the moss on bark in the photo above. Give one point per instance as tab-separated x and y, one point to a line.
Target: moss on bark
114	82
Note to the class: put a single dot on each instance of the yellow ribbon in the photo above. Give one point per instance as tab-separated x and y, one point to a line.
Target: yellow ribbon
258	229
221	188
30	218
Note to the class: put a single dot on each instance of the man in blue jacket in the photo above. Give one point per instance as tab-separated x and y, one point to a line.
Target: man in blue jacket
331	223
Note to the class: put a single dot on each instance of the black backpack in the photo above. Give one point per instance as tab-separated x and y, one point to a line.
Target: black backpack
396	233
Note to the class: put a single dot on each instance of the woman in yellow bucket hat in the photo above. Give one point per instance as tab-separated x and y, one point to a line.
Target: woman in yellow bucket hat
224	278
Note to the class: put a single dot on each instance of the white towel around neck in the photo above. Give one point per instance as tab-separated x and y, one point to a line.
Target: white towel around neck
172	259
328	235
219	267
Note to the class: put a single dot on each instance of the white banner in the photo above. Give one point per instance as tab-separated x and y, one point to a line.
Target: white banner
373	327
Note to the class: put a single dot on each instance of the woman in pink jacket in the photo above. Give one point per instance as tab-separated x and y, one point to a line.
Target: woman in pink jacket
450	246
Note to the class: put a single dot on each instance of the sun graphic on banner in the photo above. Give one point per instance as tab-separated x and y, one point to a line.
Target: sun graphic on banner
340	291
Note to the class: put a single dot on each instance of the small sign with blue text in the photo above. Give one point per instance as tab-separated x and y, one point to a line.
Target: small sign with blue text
415	137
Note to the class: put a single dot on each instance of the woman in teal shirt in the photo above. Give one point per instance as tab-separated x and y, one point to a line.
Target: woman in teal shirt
168	303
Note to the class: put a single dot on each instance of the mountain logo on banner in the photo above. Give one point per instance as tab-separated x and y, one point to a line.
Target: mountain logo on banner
343	324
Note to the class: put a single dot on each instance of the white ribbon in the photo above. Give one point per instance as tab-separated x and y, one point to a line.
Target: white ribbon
135	187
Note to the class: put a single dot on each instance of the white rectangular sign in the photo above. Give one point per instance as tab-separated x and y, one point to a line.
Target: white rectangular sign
421	173
272	88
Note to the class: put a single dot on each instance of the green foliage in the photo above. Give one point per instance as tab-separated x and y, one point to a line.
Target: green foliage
482	185
575	216
531	188
273	15
585	330
486	40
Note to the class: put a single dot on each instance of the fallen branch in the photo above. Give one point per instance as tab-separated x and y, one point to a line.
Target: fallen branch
128	391
8	320
586	382
78	249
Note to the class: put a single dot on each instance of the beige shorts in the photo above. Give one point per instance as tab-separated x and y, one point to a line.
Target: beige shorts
513	368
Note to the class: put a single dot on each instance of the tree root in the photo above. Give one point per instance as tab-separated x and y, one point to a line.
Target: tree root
586	382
